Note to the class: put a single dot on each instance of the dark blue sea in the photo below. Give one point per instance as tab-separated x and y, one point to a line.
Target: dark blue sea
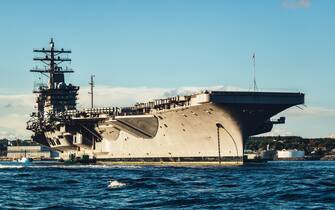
275	185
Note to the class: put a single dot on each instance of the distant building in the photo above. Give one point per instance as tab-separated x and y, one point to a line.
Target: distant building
332	136
34	151
291	154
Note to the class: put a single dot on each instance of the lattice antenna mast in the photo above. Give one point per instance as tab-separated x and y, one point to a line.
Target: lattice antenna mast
91	83
52	59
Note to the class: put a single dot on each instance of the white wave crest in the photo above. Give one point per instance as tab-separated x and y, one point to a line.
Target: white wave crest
10	166
59	165
115	184
91	166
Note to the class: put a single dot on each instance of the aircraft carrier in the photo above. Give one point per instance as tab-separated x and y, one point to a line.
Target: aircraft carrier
209	127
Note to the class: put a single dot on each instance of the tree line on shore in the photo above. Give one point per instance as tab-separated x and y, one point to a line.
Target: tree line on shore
311	146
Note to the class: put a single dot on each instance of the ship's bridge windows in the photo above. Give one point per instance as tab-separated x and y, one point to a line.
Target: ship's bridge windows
52	142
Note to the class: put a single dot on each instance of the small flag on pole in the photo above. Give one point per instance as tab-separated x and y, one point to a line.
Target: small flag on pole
254	59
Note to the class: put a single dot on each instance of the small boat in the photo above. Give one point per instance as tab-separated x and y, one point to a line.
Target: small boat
25	160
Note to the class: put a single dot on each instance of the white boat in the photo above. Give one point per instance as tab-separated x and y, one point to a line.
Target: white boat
25	160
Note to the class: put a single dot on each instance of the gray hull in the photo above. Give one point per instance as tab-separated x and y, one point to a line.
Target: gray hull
186	134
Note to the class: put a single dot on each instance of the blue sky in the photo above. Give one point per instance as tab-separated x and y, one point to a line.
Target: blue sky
180	43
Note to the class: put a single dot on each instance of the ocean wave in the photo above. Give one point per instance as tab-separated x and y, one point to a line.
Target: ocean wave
127	187
62	166
22	175
71	181
11	166
44	188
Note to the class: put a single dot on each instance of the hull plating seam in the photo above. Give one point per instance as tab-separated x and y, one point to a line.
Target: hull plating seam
175	159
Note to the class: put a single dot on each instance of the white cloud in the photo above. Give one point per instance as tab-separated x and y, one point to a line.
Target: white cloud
296	4
313	122
14	126
105	96
121	96
14	112
278	132
311	111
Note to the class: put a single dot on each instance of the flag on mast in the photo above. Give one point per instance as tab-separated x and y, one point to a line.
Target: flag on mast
254	59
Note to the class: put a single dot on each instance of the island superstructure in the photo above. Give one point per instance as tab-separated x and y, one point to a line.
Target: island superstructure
205	127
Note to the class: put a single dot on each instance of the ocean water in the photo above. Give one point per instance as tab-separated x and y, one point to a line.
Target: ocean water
275	185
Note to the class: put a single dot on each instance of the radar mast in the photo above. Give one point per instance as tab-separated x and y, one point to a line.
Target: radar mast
57	96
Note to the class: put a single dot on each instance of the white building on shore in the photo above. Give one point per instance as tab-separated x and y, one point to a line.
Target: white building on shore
290	154
33	151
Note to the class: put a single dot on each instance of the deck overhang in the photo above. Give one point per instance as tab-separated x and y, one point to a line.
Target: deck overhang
257	98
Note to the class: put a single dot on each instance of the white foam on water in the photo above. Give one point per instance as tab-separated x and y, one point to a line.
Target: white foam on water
10	166
115	184
93	166
41	165
122	166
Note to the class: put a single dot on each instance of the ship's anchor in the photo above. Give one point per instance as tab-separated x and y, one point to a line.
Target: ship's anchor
218	126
